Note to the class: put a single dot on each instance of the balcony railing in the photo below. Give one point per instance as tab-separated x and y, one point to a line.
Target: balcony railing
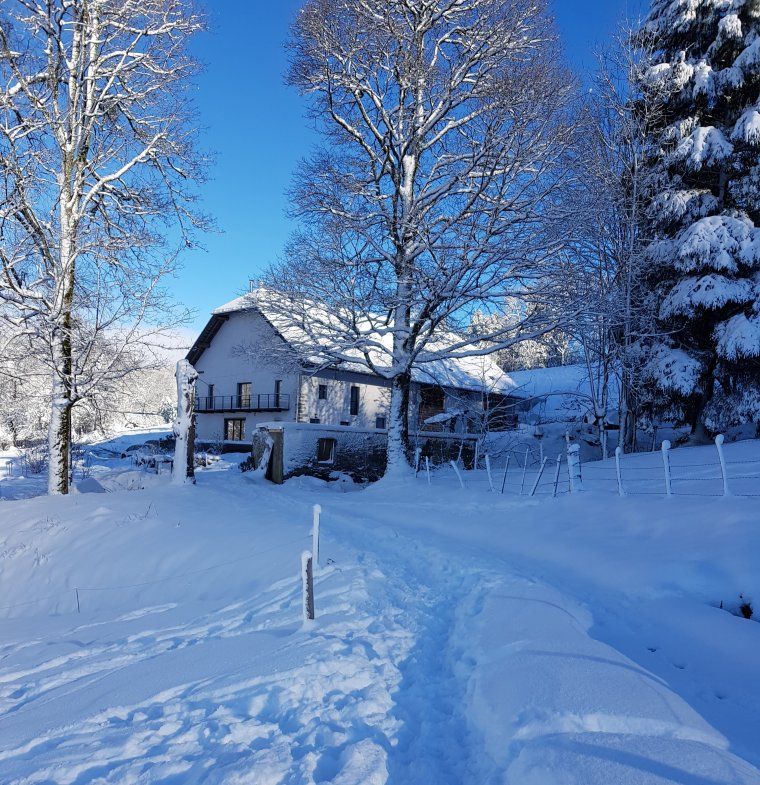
266	402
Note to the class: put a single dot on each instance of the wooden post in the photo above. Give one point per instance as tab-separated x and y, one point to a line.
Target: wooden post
316	512
456	470
574	468
307	586
427	467
476	460
666	466
79	610
504	478
525	469
488	472
618	452
538	477
417	453
556	475
719	439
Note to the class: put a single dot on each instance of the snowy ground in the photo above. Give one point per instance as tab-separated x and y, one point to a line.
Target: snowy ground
462	636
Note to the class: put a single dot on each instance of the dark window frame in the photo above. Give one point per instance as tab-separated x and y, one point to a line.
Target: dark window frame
353	406
244	399
381	422
326	450
321	392
233	426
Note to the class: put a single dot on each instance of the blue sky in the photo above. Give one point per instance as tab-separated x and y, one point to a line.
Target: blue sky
256	127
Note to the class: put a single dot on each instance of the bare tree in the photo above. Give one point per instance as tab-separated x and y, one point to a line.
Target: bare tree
448	130
611	201
96	159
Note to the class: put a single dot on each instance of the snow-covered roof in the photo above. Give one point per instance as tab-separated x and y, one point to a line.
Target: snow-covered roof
563	393
477	373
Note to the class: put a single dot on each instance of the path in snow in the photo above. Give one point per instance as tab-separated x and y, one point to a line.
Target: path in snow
462	639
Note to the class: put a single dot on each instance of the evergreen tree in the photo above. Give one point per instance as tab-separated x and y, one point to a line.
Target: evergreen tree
704	212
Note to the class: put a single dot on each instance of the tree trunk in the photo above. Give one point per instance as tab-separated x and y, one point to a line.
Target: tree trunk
59	431
59	439
398	428
183	471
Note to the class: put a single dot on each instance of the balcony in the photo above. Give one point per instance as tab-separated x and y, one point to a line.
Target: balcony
266	402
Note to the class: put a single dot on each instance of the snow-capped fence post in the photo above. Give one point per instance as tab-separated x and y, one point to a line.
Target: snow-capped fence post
316	512
417	453
504	478
427	467
476	459
574	468
618	452
456	471
719	439
538	476
666	466
488	472
556	475
525	469
183	469
79	607
307	586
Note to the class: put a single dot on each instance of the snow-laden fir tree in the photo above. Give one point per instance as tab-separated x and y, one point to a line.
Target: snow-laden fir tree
704	212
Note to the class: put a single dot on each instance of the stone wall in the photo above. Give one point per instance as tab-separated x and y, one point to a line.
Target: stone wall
358	452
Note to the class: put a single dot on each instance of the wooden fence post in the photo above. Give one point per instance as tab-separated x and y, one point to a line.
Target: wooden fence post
427	467
618	452
488	472
316	512
456	471
538	477
666	466
307	586
504	478
556	475
417	453
719	439
525	469
574	468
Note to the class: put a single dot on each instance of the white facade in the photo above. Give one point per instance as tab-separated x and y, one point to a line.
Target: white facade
230	361
248	375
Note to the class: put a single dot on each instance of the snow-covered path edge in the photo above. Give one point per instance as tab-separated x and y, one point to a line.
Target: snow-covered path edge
542	693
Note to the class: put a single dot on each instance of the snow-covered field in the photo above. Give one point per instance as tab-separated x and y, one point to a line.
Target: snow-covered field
462	636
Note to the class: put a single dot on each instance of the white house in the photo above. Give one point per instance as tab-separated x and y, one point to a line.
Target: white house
248	375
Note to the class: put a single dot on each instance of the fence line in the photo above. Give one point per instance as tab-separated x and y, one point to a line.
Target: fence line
626	480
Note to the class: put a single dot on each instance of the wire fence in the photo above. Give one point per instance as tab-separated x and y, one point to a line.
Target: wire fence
638	474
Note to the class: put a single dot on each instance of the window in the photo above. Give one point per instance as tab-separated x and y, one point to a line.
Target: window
354	406
322	392
314	420
234	429
243	395
380	423
325	450
210	397
277	389
432	397
345	422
